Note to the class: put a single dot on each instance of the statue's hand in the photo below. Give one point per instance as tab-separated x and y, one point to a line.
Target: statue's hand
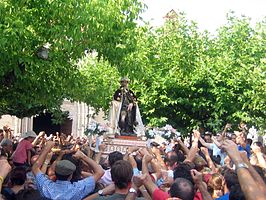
130	106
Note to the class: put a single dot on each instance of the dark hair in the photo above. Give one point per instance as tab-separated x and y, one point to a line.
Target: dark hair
61	177
18	176
236	193
103	163
182	188
138	160
171	158
249	141
121	173
183	171
231	179
29	194
114	156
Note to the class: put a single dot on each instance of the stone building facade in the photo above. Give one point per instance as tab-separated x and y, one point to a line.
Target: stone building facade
79	115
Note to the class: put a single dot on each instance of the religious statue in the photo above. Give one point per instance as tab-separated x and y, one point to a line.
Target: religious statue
125	116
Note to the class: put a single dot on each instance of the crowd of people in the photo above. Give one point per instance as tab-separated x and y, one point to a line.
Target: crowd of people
214	166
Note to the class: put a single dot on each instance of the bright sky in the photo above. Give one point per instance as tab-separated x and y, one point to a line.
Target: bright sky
209	14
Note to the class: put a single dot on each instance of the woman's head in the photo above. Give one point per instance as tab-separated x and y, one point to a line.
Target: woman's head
215	184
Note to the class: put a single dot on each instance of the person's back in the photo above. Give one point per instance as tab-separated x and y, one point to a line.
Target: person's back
62	188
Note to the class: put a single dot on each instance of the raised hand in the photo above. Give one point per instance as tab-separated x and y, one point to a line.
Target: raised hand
204	150
197	176
196	134
79	154
139	180
231	148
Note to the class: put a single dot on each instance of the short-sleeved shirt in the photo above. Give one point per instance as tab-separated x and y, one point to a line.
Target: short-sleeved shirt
64	190
106	179
20	155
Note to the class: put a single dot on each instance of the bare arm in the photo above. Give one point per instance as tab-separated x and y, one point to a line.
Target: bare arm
183	147
248	185
194	148
110	189
257	151
157	153
208	145
197	178
46	162
36	140
4	171
253	172
208	158
36	167
148	183
97	169
99	154
28	156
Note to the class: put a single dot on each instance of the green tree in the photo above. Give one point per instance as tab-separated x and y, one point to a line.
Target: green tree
190	78
30	84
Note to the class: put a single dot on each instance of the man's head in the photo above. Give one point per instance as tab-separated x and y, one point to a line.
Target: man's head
7	145
208	137
114	156
171	159
124	82
230	178
183	171
182	188
121	173
233	137
240	137
64	170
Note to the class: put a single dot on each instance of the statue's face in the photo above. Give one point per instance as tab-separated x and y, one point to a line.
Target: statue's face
124	83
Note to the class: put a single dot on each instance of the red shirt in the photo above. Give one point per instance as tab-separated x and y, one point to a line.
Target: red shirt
20	155
161	195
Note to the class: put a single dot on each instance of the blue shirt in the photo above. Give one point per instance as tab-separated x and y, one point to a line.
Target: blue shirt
224	197
240	148
64	190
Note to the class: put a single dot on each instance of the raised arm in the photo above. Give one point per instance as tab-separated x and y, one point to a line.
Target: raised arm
36	140
208	158
248	184
97	169
208	145
257	151
194	148
149	184
197	178
260	183
36	166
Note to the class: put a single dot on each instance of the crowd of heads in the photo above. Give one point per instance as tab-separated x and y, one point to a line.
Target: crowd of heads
212	166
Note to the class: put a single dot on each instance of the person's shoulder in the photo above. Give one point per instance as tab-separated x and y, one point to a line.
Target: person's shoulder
101	198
